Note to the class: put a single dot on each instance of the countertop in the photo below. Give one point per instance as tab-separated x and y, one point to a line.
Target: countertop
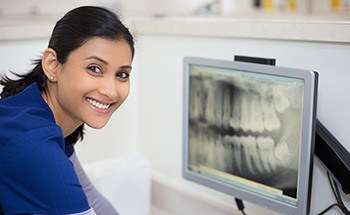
274	28
26	27
317	30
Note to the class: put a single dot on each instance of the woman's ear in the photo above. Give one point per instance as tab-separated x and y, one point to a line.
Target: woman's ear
50	64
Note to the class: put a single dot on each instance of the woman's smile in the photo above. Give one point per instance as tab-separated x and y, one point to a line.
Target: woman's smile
101	106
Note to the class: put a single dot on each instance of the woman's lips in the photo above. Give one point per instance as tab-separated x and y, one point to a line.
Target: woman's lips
98	104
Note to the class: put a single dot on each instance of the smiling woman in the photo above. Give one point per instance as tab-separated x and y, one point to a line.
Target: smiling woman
81	78
101	67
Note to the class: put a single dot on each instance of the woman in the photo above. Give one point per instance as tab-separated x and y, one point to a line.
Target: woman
82	78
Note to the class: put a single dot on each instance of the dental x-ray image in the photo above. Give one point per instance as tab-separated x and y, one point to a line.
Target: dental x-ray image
246	125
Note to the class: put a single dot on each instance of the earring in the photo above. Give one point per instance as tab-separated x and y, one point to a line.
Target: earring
51	77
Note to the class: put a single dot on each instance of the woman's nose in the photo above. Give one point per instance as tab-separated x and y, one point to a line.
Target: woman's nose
109	89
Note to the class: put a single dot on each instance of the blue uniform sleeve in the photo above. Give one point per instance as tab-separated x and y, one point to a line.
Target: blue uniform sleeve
37	177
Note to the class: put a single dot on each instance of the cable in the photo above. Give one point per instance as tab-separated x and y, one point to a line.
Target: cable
240	205
337	195
340	201
329	207
340	204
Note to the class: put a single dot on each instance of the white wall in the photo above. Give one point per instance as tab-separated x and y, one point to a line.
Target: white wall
161	91
17	55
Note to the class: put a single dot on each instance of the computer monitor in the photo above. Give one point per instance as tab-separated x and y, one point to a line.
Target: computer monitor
249	131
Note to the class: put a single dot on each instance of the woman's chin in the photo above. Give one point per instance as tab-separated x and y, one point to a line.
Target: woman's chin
97	125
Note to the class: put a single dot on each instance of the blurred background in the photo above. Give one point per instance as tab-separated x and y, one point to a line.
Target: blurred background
136	160
132	8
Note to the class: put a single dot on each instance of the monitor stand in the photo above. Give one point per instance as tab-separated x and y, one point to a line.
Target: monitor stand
334	157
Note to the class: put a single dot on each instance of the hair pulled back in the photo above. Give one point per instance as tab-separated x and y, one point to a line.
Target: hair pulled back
71	32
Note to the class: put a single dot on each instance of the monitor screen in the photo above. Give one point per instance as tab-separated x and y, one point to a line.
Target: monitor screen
249	131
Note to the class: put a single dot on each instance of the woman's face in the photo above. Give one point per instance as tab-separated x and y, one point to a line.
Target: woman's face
94	81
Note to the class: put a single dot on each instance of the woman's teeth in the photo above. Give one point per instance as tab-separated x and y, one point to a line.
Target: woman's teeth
98	104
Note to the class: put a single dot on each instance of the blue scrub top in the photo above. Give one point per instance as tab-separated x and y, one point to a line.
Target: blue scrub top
36	175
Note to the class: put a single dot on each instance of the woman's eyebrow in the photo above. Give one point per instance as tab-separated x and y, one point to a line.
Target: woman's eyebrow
126	67
97	58
105	62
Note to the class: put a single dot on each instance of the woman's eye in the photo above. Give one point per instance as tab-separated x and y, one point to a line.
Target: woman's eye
123	75
94	69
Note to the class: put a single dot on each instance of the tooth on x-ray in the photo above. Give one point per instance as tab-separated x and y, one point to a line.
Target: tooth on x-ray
280	100
210	106
238	152
218	102
212	156
245	111
266	146
282	152
256	114
251	154
220	152
235	120
271	121
263	152
226	115
195	102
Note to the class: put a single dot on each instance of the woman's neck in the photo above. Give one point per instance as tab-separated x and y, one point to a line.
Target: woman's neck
62	119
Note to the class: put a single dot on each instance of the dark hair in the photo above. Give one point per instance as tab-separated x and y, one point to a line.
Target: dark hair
71	32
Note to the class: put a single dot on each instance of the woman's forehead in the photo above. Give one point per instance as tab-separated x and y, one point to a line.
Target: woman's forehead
107	49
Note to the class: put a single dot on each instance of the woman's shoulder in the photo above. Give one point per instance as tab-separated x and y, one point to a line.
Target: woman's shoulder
35	165
23	113
36	142
27	127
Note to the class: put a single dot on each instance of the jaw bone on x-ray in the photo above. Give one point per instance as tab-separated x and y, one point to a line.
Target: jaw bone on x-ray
246	127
